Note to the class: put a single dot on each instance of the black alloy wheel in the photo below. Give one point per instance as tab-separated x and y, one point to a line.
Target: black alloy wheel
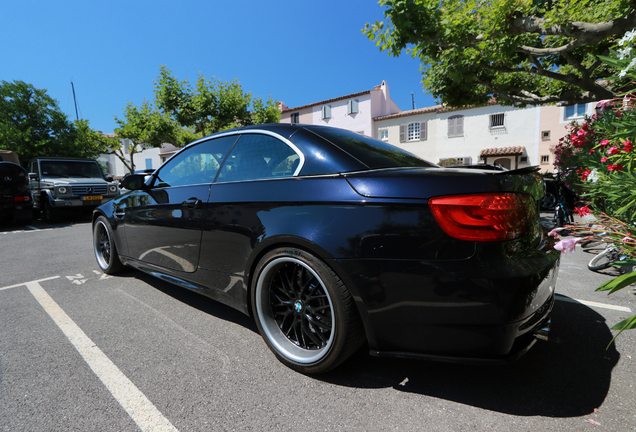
104	247
304	312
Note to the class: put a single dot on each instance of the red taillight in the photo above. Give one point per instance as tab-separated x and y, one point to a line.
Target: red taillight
484	217
21	198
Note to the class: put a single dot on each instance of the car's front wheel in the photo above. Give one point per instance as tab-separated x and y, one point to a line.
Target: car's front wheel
304	312
49	213
104	247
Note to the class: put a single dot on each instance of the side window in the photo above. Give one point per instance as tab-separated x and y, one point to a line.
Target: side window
195	165
257	156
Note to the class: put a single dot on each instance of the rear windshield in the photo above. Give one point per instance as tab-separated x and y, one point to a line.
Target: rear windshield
371	152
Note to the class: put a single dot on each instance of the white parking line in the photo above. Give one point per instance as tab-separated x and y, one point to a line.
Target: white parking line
593	304
131	399
24	283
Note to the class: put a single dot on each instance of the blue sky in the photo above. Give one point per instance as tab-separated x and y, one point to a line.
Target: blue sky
299	52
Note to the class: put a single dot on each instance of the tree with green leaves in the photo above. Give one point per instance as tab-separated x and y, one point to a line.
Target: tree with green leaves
522	52
211	105
144	125
181	114
32	124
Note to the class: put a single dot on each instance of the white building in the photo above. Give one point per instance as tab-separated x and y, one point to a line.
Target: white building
493	134
354	112
496	135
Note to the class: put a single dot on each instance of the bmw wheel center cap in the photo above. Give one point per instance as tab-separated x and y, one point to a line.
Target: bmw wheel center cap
298	306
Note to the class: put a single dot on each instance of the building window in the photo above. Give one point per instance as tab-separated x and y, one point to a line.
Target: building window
523	159
352	106
456	126
384	134
295	118
148	163
497	121
574	111
326	112
545	159
413	132
416	131
545	135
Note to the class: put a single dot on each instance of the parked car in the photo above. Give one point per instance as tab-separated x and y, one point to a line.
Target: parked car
15	199
329	239
68	184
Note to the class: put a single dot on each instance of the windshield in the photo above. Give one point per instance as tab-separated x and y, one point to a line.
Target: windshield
63	168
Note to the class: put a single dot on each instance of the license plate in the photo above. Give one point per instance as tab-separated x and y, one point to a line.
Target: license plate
92	198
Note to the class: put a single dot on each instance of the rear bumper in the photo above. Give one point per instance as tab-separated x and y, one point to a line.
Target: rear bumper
468	310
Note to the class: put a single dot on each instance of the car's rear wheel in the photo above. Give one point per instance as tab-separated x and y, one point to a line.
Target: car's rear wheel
304	312
104	247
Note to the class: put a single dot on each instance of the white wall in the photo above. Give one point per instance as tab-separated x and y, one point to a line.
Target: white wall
360	122
520	129
117	169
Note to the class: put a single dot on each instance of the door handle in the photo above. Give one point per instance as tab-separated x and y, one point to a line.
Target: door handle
192	203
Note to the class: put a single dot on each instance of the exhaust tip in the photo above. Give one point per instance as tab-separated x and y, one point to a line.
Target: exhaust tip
543	331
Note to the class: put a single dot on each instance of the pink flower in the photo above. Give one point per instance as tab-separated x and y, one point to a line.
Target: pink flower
583	211
591	151
603	159
604	104
555	233
581	133
613	150
604	143
619	114
567	245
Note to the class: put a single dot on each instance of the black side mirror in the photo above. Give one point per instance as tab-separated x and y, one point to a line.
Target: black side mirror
33	176
109	179
134	182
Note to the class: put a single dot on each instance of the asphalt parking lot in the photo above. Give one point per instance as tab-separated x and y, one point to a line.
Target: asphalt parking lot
82	351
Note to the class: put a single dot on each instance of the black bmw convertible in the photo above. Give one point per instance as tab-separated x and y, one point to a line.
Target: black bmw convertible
332	240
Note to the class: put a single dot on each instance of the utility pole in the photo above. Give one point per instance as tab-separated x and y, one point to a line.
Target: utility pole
75	100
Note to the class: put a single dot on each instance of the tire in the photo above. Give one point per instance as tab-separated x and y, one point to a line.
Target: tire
604	259
48	212
304	312
559	217
105	248
592	244
548	201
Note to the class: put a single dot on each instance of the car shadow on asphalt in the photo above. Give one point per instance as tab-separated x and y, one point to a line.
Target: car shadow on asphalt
568	376
194	299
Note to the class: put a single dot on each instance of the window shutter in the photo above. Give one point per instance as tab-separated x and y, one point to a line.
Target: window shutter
327	111
402	133
451	126
423	131
349	107
354	106
459	126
